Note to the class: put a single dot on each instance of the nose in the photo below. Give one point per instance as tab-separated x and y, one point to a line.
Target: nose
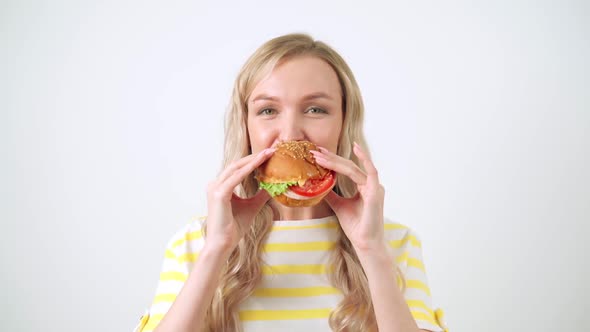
291	128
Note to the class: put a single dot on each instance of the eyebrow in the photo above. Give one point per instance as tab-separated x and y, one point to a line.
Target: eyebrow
311	96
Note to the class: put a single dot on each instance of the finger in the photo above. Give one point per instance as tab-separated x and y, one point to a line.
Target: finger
236	165
233	166
340	165
253	203
367	163
240	174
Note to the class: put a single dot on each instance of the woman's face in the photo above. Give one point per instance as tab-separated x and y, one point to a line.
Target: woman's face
301	99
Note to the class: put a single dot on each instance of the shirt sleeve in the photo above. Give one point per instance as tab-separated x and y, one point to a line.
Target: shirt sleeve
417	293
179	257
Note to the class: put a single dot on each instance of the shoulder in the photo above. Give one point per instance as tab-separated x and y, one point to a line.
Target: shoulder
188	239
397	231
403	241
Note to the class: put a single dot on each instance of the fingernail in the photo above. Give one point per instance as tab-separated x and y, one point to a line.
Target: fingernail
319	157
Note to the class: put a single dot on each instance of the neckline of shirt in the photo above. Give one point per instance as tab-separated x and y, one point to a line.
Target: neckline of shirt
305	222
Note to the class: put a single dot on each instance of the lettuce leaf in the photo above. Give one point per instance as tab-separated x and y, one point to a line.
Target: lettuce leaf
275	189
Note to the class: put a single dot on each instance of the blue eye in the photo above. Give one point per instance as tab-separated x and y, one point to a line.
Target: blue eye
315	110
266	111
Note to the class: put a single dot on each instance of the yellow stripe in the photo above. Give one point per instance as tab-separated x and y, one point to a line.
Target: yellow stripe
294	269
402	258
331	224
419	304
416	263
188	237
164	298
152	323
173	276
283	314
169	254
295	292
394	226
439	315
396	244
190	257
142	321
418	285
415	242
419	315
304	246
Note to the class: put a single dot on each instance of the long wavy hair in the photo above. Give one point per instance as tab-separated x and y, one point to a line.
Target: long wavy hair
243	270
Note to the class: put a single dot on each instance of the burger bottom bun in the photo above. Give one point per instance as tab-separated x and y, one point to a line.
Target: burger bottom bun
292	202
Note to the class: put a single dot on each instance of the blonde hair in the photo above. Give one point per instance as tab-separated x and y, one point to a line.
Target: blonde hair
243	270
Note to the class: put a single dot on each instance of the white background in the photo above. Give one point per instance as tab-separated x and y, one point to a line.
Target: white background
111	124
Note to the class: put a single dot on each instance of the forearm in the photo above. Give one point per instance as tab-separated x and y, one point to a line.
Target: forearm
190	306
391	310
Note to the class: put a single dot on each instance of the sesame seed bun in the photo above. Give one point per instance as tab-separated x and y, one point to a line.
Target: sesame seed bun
293	162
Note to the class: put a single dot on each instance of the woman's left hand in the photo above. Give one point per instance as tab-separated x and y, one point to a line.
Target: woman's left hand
361	217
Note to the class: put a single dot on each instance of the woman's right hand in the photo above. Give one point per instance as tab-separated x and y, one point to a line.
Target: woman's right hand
228	215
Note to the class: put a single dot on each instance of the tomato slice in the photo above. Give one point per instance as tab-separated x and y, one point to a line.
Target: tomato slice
314	187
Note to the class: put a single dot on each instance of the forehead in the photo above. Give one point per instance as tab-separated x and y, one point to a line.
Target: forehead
299	76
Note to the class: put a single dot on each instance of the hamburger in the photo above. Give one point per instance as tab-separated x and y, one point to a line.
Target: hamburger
292	177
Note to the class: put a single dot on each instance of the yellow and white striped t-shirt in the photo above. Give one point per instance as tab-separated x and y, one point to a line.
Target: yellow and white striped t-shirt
295	294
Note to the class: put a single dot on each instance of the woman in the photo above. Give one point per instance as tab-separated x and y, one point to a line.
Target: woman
265	267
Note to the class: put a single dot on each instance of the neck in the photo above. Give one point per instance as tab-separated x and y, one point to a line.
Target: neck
320	210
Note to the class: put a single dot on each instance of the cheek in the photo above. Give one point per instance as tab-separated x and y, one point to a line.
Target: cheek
328	136
336	131
259	136
334	139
